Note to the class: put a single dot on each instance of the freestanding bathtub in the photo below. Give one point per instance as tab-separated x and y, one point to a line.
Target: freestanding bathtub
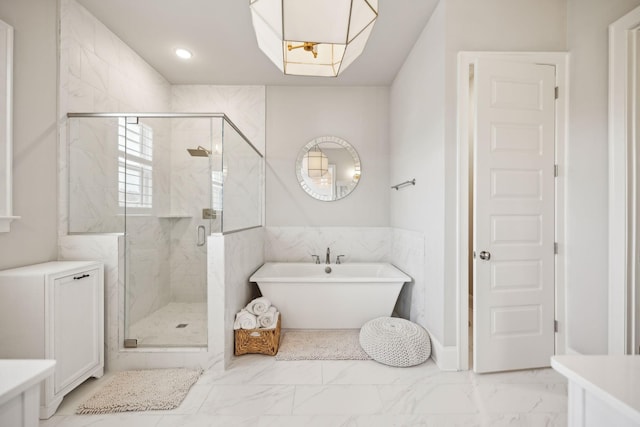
336	296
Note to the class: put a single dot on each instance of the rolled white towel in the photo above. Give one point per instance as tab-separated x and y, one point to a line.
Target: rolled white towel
245	320
274	321
269	319
258	306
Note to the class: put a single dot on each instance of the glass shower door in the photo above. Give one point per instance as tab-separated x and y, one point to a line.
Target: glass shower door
166	197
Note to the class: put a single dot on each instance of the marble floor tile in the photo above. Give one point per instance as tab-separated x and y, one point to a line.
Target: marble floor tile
336	400
266	370
370	372
250	399
108	420
306	421
526	420
544	375
204	420
422	420
521	398
259	391
428	399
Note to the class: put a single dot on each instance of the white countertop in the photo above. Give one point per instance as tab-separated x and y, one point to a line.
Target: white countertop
613	379
17	376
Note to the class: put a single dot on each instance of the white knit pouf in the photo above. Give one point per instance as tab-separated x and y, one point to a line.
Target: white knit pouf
395	342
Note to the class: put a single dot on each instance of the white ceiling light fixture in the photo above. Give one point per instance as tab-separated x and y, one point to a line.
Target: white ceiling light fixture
183	53
313	37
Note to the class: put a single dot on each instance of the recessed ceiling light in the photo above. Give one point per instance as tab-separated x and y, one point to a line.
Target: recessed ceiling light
183	53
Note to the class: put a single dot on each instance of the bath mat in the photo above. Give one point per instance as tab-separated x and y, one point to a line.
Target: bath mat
335	344
144	390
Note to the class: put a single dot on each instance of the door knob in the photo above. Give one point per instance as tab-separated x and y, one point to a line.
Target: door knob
484	255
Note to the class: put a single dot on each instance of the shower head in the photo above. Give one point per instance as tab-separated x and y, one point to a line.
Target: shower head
200	151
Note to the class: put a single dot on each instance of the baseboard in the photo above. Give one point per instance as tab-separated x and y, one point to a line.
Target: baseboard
572	352
445	357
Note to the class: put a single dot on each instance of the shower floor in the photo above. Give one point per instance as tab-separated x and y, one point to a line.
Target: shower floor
160	328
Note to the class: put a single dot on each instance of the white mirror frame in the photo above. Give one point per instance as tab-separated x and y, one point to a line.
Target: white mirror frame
334	139
6	121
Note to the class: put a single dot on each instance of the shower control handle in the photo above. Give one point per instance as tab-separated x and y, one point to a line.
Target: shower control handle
200	236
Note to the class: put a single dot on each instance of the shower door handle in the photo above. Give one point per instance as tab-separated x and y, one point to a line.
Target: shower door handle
200	236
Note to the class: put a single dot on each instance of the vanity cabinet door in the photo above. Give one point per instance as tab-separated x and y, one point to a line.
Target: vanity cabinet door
77	321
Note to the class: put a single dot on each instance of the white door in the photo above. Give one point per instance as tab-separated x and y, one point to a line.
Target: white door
514	223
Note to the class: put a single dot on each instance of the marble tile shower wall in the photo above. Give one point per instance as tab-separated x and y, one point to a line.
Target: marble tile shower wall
245	107
190	193
93	177
100	73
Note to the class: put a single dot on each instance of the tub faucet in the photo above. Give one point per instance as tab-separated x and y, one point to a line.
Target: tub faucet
328	259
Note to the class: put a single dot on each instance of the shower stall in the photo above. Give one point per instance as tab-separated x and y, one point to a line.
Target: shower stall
165	182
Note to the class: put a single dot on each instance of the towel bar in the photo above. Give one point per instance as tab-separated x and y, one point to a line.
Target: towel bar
404	184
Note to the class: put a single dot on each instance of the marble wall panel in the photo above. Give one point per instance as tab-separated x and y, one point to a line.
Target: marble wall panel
244	105
243	255
407	253
297	244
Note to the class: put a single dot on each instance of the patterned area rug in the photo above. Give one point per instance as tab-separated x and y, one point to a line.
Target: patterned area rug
335	344
145	390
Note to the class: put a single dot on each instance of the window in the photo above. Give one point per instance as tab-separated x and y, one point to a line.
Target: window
135	165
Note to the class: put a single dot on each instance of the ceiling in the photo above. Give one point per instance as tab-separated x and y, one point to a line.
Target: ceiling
221	37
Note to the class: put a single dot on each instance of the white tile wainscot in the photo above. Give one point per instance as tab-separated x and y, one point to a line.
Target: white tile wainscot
20	390
603	390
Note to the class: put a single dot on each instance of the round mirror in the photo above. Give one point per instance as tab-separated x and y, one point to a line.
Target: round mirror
328	168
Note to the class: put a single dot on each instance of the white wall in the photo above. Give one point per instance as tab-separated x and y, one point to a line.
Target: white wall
33	238
424	101
295	116
587	172
417	103
496	25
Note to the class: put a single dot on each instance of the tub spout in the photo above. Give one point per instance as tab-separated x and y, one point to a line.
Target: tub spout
328	259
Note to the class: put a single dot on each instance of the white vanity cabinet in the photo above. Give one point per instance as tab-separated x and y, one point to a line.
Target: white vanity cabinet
55	310
603	390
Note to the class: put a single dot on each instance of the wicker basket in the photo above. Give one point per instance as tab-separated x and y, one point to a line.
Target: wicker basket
260	341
